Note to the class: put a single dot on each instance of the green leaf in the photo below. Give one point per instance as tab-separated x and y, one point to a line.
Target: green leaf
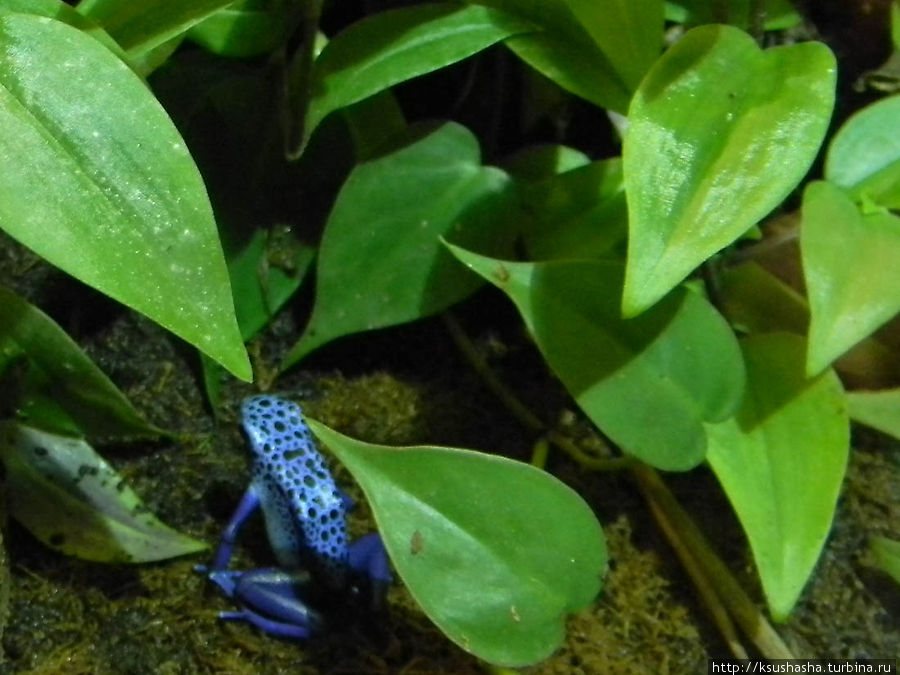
380	261
877	409
887	555
496	552
139	26
778	14
104	188
864	156
73	501
630	34
895	24
373	123
705	154
850	269
577	214
56	9
759	302
244	29
781	461
537	162
648	383
397	45
70	378
564	52
265	273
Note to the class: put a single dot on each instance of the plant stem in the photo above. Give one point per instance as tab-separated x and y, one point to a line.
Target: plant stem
729	591
708	595
518	409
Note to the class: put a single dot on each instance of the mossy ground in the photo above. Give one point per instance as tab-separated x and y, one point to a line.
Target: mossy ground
408	386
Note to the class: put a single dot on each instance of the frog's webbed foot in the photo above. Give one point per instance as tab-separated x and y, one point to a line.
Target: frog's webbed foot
269	600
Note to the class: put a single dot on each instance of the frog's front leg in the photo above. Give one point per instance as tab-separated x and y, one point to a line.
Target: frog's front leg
269	600
248	504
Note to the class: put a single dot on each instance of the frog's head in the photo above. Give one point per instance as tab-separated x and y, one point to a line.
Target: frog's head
271	422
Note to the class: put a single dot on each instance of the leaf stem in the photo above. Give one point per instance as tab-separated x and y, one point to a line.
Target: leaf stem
729	591
708	595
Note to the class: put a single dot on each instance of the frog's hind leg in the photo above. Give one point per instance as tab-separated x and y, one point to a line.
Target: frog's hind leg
269	600
268	626
367	556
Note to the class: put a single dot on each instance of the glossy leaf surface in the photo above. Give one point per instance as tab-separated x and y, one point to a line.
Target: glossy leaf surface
649	383
380	260
864	156
705	152
72	380
877	409
73	501
781	461
104	188
850	267
496	552
397	45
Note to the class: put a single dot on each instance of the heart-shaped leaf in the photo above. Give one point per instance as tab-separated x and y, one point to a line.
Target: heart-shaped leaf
496	552
104	188
705	152
864	156
380	261
877	409
397	45
781	461
73	501
650	382
850	268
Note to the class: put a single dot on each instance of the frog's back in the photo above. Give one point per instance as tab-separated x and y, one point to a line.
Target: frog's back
302	505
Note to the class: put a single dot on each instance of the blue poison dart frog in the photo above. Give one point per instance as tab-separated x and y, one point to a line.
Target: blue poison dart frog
305	517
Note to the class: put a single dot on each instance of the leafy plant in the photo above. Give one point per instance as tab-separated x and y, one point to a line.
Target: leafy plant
56	484
642	280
